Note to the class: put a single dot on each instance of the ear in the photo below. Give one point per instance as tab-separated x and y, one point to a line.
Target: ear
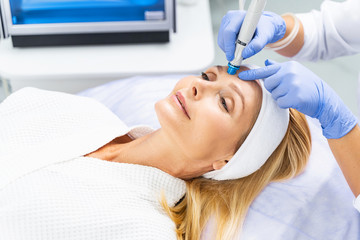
219	164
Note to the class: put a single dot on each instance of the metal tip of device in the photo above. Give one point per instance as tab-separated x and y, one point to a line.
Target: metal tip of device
232	69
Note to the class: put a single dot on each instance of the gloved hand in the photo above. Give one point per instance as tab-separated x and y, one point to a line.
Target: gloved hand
271	28
294	86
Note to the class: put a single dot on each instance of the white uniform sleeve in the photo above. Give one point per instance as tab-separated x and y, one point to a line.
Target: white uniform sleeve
331	32
357	203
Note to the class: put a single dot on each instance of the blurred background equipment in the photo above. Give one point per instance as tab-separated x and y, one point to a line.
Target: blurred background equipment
78	22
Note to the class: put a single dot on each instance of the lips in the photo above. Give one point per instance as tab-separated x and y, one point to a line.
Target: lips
180	98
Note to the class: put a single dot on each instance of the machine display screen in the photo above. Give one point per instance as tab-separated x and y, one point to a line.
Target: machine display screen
79	11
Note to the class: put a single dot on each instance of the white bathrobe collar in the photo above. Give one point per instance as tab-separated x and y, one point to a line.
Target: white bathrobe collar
46	127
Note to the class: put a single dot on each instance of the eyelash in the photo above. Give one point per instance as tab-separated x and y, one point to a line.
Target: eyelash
223	102
205	77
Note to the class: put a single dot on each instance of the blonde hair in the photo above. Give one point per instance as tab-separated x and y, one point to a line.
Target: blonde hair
228	201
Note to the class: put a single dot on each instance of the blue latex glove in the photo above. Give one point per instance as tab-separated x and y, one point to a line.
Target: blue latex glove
294	86
271	28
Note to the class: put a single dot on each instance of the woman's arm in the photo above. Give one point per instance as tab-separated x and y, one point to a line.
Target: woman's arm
324	34
346	150
297	43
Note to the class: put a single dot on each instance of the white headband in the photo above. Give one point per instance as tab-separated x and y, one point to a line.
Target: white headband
265	136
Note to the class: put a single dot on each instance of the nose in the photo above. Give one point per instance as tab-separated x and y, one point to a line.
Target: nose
194	91
199	87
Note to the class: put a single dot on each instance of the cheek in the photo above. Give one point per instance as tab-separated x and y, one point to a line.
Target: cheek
211	135
213	125
166	113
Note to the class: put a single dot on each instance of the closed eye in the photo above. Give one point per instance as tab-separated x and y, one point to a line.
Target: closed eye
205	76
223	103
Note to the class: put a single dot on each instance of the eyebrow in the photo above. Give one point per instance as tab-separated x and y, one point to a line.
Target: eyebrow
237	90
219	68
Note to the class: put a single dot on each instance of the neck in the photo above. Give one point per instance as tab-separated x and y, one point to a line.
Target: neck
156	150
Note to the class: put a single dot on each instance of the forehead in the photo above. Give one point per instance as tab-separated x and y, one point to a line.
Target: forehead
250	89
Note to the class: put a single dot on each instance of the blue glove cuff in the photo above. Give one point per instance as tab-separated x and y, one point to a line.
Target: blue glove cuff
336	118
279	24
340	127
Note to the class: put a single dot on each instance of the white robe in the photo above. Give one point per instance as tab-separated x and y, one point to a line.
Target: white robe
49	191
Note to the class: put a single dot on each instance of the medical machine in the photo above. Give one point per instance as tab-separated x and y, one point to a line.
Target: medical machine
247	31
77	22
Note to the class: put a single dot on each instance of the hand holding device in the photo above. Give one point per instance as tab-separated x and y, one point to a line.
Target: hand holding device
270	28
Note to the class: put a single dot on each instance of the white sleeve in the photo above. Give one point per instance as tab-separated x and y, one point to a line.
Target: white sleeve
331	32
357	203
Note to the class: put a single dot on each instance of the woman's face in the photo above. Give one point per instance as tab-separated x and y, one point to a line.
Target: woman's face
207	115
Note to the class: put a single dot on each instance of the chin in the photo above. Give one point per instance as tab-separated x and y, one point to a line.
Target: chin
164	113
169	117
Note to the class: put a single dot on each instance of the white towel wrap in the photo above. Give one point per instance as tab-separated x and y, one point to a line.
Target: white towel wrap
265	136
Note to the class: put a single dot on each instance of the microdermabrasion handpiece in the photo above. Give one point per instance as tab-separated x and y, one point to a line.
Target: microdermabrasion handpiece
247	31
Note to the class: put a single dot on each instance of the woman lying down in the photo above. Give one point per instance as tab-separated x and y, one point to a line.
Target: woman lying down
70	169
